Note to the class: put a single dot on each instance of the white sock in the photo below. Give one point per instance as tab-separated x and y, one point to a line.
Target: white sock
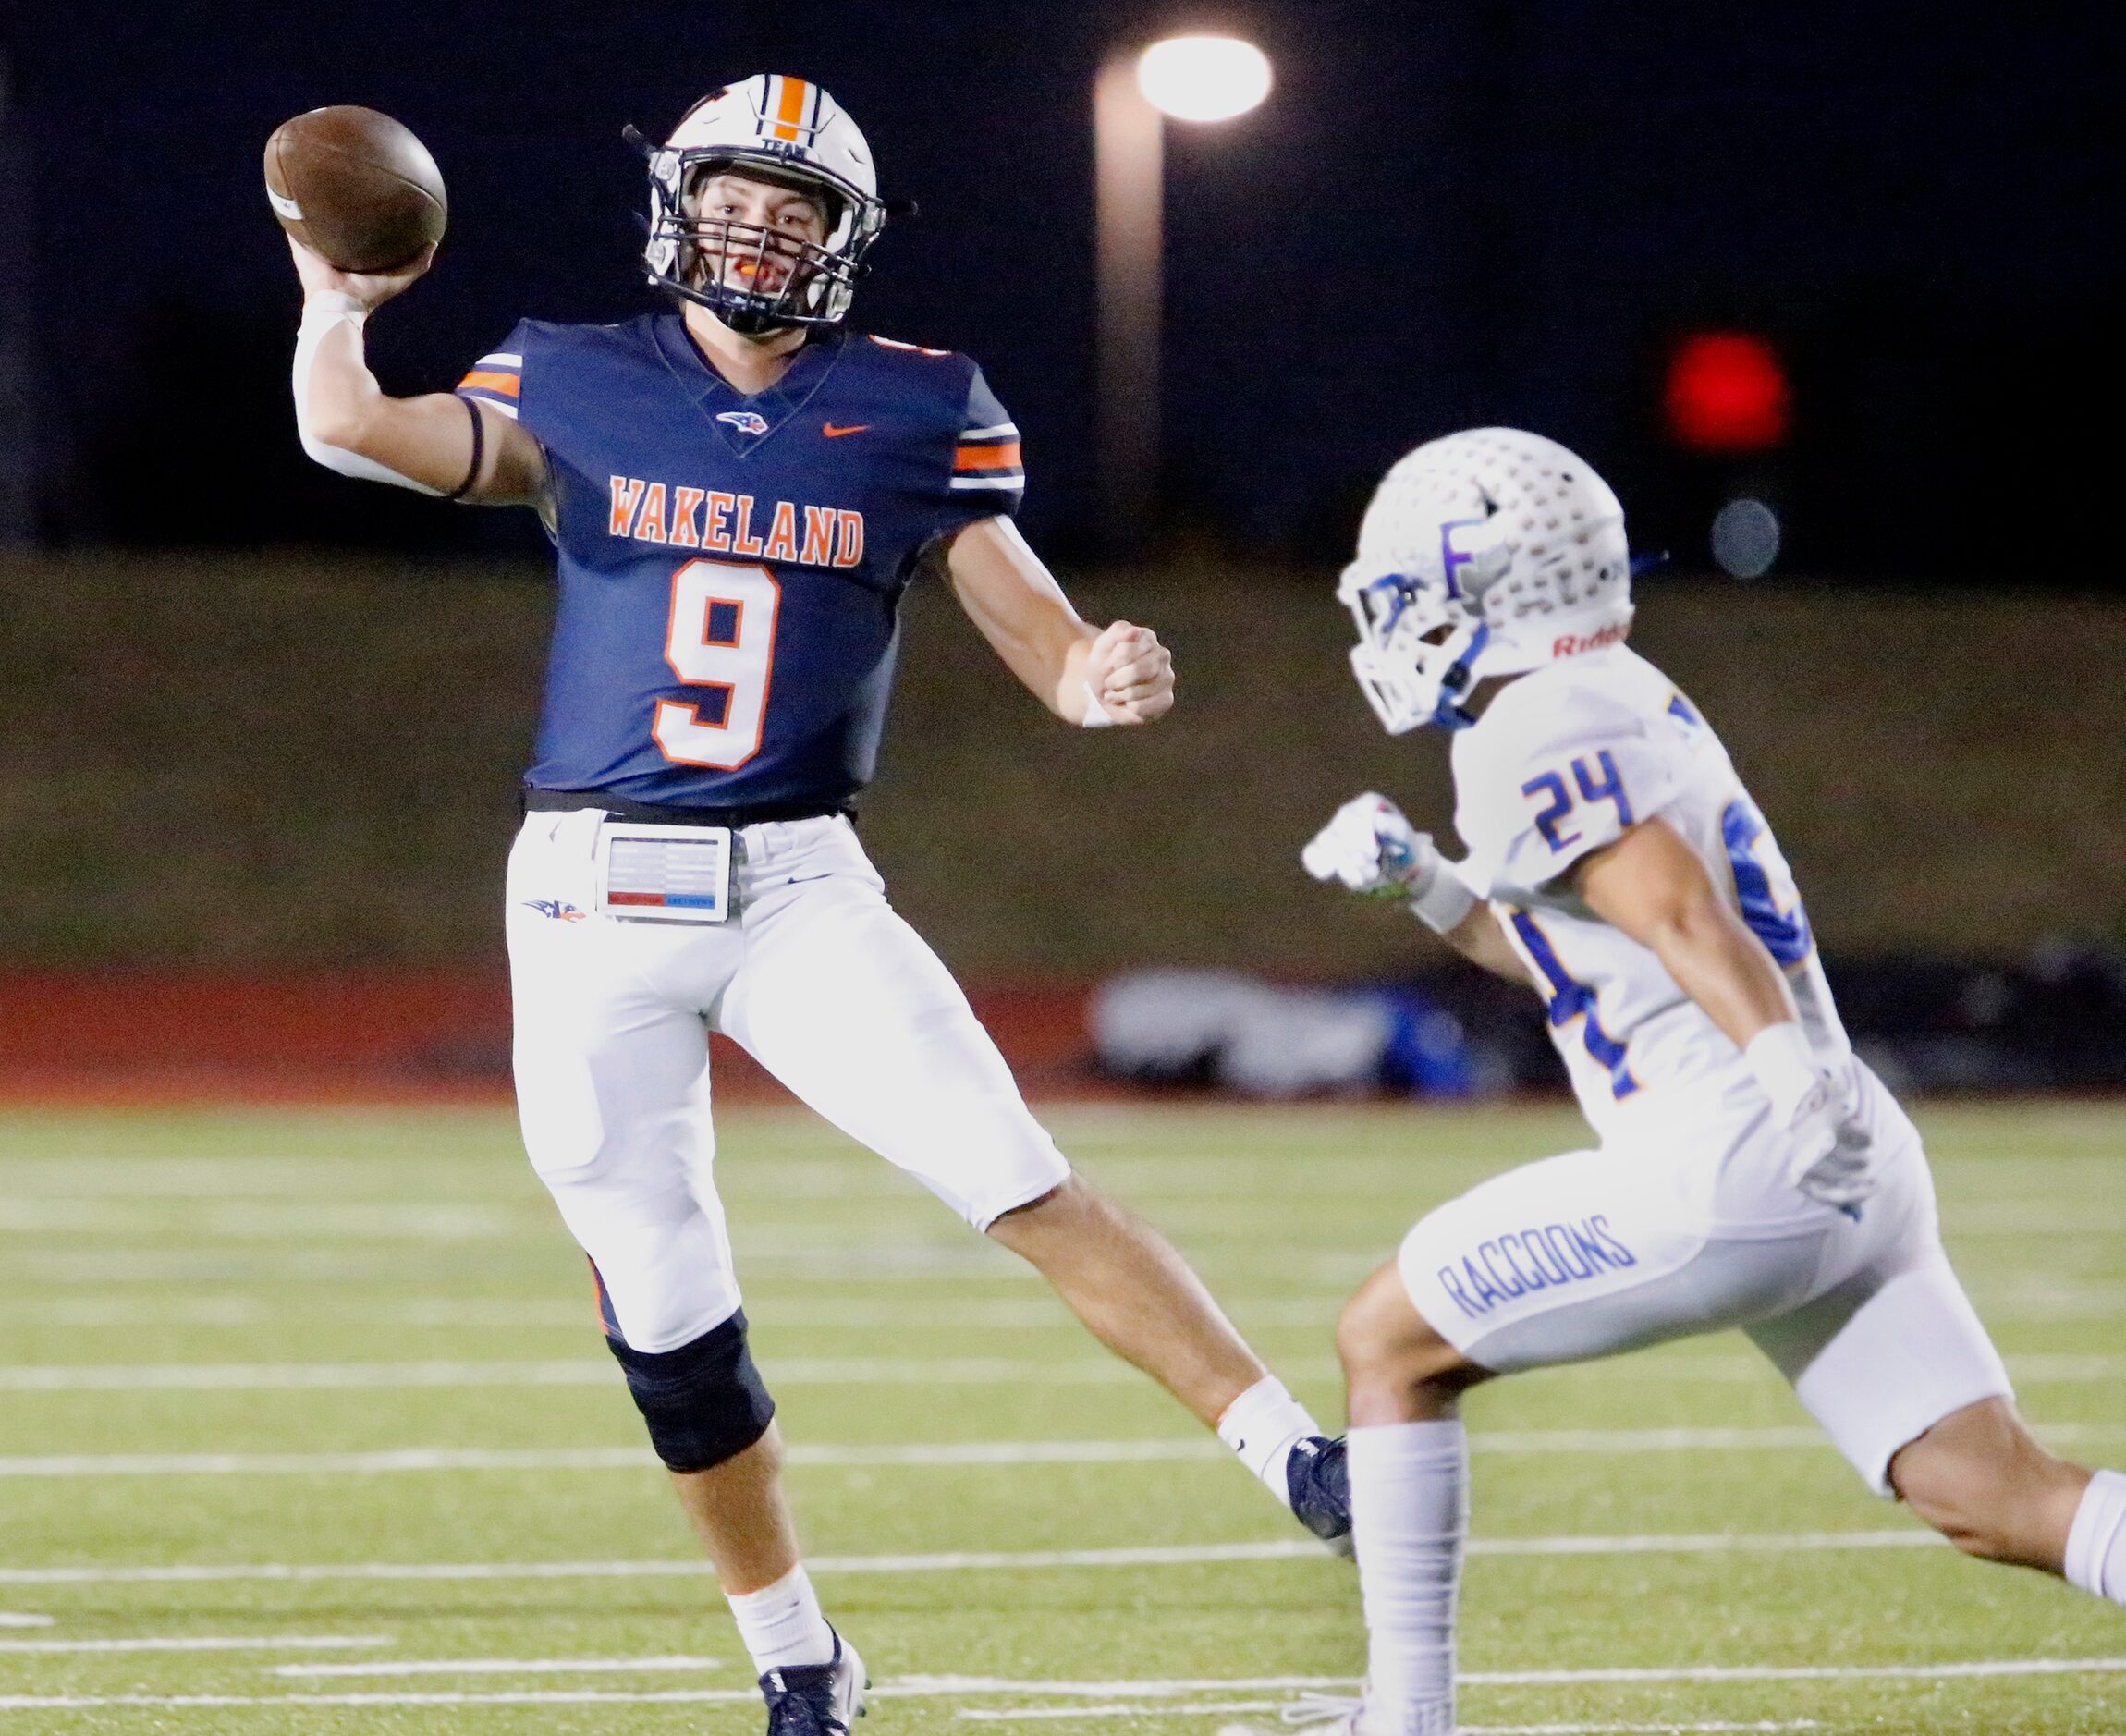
781	1624
2097	1543
1263	1425
1410	1516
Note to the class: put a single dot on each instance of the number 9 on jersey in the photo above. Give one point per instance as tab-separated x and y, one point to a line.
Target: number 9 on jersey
722	638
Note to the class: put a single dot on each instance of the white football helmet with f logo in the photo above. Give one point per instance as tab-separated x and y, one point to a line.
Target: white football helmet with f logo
1489	552
774	128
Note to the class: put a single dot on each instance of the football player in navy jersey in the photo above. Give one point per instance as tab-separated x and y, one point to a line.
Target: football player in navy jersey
739	490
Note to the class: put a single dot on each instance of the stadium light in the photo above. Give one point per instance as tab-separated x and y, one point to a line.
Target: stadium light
1204	78
1200	79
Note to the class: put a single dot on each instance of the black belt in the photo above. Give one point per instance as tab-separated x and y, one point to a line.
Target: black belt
531	801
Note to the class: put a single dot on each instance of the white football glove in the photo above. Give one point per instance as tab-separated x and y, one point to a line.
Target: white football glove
1372	848
1831	1155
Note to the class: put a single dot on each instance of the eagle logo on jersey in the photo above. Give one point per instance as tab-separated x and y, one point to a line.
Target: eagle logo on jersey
750	421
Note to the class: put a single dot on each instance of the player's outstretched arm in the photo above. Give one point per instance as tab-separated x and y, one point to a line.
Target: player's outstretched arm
349	425
1652	886
1479	938
1120	674
1372	848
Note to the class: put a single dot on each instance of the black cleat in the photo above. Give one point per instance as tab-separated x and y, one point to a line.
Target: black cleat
816	1699
1317	1484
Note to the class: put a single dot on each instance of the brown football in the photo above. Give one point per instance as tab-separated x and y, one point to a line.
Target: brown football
355	187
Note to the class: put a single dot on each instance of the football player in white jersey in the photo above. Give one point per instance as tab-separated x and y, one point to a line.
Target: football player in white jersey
1749	1170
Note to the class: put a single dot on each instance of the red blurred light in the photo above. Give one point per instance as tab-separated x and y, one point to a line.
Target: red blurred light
1727	393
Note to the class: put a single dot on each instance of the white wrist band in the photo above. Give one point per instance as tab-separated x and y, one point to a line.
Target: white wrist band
321	314
1095	716
328	307
1445	901
1781	1057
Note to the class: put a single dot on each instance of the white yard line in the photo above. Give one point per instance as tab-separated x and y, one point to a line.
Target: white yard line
594	1457
1177	1554
283	1221
1711	1543
2098	1368
315	1464
1666	1727
952	1687
800	1371
1800	1672
206	1643
267	1376
2012	1302
1626	1440
409	1458
1220	1709
1123	1708
1018	1313
2042	1368
1282	1548
17	1618
381	1264
230	1702
790	1371
502	1667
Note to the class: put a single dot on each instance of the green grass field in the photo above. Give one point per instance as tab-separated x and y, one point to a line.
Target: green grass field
304	1426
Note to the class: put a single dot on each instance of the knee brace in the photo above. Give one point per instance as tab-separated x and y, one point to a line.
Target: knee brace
705	1402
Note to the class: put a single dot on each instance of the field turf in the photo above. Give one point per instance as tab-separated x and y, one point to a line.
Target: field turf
304	1426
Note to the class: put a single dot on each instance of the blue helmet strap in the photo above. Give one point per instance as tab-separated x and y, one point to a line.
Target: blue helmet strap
1456	681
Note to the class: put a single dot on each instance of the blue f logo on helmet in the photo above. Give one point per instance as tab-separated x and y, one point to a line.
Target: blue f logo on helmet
1490	552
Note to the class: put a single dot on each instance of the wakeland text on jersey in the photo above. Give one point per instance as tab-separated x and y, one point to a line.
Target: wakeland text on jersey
727	523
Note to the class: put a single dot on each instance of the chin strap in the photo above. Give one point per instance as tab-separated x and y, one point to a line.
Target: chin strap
1457	680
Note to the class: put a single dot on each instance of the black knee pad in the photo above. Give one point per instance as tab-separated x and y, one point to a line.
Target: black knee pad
705	1402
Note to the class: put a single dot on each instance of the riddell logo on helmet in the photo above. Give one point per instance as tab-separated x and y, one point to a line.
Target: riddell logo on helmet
1573	646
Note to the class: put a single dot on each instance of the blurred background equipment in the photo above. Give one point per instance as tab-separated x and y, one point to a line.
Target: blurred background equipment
1219	1030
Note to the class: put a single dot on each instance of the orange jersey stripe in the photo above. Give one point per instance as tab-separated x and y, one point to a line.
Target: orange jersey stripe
790	110
508	384
998	457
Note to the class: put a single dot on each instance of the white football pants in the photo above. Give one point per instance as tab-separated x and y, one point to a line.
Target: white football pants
1691	1231
817	978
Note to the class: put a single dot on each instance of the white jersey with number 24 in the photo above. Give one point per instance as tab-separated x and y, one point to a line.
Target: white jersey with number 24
1565	761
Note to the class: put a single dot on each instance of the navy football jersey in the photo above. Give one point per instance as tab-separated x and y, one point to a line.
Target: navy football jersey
731	567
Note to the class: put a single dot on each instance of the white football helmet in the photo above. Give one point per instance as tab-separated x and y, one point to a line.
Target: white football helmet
781	129
1489	552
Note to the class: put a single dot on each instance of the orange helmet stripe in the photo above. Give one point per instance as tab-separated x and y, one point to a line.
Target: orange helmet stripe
789	111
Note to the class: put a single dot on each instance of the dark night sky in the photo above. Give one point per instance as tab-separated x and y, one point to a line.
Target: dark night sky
1469	210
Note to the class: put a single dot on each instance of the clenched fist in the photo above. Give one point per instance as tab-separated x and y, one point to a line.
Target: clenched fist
1371	848
1130	674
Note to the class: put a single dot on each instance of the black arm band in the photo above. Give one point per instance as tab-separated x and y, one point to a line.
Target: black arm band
479	450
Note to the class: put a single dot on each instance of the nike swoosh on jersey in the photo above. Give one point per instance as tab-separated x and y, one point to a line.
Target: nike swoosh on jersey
834	430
